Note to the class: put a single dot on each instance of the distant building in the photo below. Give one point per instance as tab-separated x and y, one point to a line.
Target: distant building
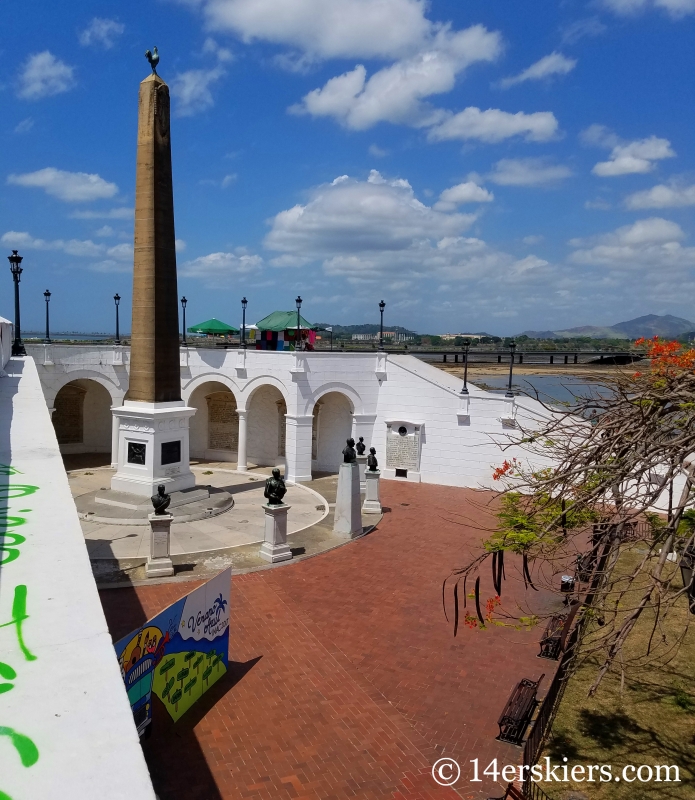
450	336
374	337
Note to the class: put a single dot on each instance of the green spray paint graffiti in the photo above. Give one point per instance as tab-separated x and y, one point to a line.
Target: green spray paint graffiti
10	542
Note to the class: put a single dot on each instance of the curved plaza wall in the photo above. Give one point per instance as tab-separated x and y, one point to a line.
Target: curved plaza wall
459	440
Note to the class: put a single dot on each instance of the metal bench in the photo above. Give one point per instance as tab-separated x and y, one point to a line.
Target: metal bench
552	637
517	714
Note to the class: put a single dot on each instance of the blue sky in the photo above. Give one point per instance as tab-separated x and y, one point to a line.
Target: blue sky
478	165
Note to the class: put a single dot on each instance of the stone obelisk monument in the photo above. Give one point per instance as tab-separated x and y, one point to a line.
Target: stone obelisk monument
152	424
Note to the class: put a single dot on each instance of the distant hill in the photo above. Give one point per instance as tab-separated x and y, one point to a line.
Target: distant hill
649	325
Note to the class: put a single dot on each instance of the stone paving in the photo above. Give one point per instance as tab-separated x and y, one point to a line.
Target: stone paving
242	524
345	680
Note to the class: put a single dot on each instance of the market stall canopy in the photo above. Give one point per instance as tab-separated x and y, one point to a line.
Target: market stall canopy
213	327
282	321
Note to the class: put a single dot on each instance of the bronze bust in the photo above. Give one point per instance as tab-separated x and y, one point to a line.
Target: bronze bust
275	489
372	463
361	446
349	454
161	500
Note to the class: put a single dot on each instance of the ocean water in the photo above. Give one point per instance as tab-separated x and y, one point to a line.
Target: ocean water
551	388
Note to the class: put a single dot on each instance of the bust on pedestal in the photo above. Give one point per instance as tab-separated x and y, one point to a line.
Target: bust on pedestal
275	547
159	564
372	500
348	517
361	462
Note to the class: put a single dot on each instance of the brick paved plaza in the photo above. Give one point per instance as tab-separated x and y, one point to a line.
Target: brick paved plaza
345	680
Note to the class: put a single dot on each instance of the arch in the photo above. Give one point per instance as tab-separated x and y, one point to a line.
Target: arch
266	426
257	383
340	388
210	377
214	428
332	425
116	392
82	418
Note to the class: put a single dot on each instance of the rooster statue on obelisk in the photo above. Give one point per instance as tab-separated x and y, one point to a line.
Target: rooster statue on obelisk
152	424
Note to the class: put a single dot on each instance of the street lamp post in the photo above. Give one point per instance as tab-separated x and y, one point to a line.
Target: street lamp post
512	348
183	308
117	300
466	348
47	296
16	269
244	303
382	306
298	301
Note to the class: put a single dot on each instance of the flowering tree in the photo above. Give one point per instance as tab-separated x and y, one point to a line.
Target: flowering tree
614	511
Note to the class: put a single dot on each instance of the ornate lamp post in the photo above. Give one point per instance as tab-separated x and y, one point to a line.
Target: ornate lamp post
47	296
512	348
183	308
466	348
244	303
16	270
298	301
382	306
117	300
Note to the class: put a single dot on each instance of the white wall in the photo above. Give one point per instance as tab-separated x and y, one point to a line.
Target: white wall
5	343
68	695
457	449
334	428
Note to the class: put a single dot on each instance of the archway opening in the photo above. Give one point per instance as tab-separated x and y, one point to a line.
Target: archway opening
332	426
214	428
82	417
266	427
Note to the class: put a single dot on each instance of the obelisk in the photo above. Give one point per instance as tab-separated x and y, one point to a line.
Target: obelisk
152	424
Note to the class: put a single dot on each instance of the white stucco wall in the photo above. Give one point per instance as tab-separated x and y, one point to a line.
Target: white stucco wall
458	448
67	697
5	342
334	427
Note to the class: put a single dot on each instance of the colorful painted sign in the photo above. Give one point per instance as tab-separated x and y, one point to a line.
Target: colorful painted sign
179	654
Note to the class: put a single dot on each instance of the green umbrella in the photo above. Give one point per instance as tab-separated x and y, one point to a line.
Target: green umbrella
281	321
213	327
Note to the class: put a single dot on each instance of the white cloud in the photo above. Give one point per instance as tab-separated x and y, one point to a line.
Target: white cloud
397	93
649	243
336	29
546	67
228	180
662	196
180	245
468	192
494	125
191	90
101	32
674	8
533	239
626	158
122	252
105	231
377	152
24	126
112	213
72	187
220	269
73	247
44	75
528	172
577	30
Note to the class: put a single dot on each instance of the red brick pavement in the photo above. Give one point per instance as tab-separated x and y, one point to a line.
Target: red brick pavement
345	680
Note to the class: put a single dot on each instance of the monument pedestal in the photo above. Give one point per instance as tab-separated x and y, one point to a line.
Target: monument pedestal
275	547
159	563
348	516
362	466
152	447
372	500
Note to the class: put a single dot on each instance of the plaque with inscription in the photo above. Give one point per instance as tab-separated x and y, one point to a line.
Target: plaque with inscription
403	449
223	422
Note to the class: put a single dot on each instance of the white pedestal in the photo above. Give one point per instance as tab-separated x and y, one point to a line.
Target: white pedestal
274	547
159	563
362	466
372	500
152	447
348	516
